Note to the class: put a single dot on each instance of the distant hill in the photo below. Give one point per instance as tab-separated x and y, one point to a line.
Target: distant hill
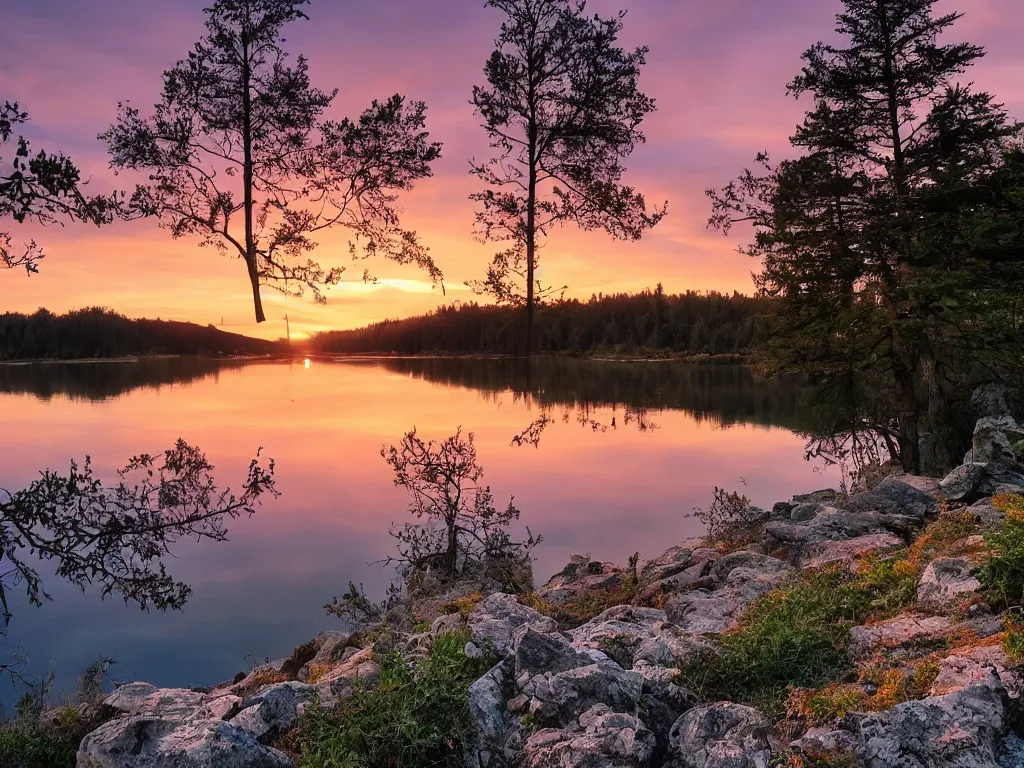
648	322
96	333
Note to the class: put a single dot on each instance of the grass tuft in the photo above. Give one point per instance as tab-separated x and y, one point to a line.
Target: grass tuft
417	716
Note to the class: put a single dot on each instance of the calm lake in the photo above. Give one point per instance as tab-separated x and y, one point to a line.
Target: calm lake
631	449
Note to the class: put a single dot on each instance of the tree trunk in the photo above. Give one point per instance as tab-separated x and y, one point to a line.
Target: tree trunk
909	409
452	555
247	183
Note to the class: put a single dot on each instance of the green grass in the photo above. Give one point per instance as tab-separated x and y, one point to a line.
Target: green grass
1002	575
417	716
792	636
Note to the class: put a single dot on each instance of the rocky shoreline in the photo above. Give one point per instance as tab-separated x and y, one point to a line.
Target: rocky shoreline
588	669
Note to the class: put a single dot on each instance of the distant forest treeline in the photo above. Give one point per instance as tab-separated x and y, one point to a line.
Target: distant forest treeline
651	321
95	332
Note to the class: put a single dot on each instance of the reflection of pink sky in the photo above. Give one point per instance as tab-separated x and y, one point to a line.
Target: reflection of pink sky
261	593
608	493
718	70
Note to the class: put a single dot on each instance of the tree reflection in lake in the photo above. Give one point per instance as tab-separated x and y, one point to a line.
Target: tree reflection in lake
572	389
104	380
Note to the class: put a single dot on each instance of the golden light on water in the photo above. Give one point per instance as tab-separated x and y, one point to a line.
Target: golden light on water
307	362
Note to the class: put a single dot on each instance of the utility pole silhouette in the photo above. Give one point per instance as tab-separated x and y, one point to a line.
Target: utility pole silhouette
288	330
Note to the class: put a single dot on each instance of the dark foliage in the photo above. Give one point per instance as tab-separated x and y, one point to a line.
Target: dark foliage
97	332
893	239
652	321
42	187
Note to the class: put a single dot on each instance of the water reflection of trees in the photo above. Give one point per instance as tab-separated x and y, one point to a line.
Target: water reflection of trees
97	381
573	389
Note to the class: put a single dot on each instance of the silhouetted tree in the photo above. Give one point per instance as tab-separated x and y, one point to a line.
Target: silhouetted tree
240	132
854	233
463	528
115	537
562	109
41	187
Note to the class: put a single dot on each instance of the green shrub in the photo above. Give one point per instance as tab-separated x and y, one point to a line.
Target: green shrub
29	744
417	716
792	636
1002	576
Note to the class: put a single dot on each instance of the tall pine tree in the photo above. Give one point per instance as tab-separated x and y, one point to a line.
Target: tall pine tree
562	108
853	233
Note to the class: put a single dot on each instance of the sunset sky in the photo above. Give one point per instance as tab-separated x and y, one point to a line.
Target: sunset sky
718	70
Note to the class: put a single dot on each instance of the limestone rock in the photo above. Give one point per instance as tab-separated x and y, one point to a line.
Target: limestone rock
848	552
826	496
993	441
746	576
271	712
963	481
894	496
959	730
146	699
340	681
144	741
946	580
675	560
580	576
821	741
619	631
974	665
896	632
494	620
722	735
563	682
488	709
604	739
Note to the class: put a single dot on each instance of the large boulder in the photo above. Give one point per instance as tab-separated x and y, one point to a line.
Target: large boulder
963	481
974	665
619	631
271	713
722	735
561	682
494	738
604	739
675	560
993	441
144	741
964	729
146	699
495	618
895	496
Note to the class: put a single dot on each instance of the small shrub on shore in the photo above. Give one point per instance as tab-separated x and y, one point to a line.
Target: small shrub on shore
417	716
727	521
30	744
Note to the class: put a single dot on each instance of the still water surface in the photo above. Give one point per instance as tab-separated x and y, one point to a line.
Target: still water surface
630	450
